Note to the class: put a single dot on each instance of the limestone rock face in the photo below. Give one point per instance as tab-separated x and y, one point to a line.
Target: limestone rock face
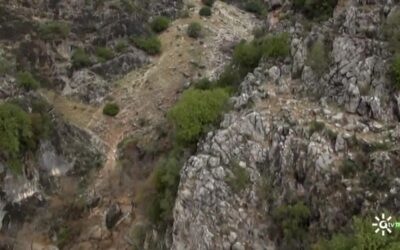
275	142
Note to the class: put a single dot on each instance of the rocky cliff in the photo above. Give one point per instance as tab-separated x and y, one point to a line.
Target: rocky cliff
324	142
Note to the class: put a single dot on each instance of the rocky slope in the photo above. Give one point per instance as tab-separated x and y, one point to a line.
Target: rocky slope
327	141
310	141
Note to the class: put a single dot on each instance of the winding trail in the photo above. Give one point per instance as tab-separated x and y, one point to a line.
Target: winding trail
144	96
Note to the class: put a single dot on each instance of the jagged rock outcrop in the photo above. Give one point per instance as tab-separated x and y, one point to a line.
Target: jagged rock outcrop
357	77
297	163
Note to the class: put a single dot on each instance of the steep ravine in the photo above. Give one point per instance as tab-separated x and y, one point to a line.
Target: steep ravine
144	96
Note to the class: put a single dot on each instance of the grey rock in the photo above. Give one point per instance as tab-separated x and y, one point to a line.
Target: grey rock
87	87
274	73
353	97
121	64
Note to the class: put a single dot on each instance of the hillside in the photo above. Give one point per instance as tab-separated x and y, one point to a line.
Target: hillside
191	124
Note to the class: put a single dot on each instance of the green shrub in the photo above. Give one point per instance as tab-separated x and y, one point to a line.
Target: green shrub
240	178
318	58
111	109
395	71
205	11
230	77
152	45
256	6
292	222
159	24
104	54
203	83
248	55
121	46
15	131
316	126
165	181
208	3
194	30
27	81
53	30
349	168
195	111
275	46
80	58
392	31
315	9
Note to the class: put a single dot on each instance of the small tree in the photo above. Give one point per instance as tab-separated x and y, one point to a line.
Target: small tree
205	11
159	24
104	53
195	111
256	6
27	81
80	58
15	130
111	109
194	30
152	45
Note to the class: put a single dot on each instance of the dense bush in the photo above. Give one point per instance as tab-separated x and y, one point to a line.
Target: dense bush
152	45
292	222
208	3
205	11
159	24
111	109
361	237
256	6
203	83
80	58
395	71
27	81
315	9
165	180
15	135
248	55
104	53
195	110
15	130
194	30
230	77
318	58
53	30
240	178
349	168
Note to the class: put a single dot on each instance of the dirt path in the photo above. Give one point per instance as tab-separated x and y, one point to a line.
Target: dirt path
144	96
